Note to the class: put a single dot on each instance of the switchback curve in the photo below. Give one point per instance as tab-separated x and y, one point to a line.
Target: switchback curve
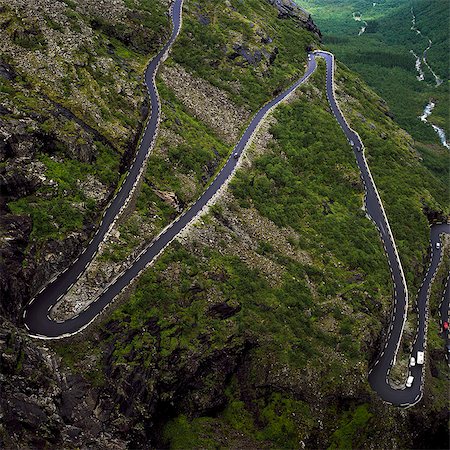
60	284
379	374
36	314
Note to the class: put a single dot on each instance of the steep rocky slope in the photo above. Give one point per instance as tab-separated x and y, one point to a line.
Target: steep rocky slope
256	328
72	105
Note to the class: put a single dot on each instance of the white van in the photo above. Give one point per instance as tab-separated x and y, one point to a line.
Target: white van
420	357
409	381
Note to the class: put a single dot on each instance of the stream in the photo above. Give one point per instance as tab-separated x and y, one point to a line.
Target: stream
423	58
358	18
441	133
421	75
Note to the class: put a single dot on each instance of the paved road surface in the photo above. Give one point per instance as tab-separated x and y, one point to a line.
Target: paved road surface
36	314
379	374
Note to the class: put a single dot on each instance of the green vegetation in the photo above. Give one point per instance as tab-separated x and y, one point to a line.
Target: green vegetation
145	29
405	185
182	164
60	206
197	153
202	46
381	55
25	33
320	317
352	430
303	307
275	191
280	418
99	81
70	355
183	434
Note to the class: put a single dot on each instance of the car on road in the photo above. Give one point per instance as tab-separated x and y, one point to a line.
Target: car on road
438	245
420	357
236	155
412	361
352	143
409	381
445	326
309	57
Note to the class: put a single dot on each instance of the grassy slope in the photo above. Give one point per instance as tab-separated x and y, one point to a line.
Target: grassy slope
205	50
313	331
405	185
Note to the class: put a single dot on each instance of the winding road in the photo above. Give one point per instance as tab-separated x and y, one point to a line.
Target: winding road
36	314
50	294
379	374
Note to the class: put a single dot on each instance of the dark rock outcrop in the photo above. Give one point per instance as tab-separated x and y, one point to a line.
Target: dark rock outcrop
7	71
289	9
44	406
193	383
14	286
250	57
433	216
223	310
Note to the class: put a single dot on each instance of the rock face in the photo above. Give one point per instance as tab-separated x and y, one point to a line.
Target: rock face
289	9
41	405
13	282
207	102
45	405
147	395
24	267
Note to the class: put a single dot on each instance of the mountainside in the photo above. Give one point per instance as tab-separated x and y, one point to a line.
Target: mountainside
256	328
72	110
386	42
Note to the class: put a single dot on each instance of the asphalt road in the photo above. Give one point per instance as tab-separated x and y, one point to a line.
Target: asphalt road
378	377
35	320
36	315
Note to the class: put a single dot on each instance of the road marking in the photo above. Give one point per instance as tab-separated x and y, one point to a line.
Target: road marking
388	234
284	95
